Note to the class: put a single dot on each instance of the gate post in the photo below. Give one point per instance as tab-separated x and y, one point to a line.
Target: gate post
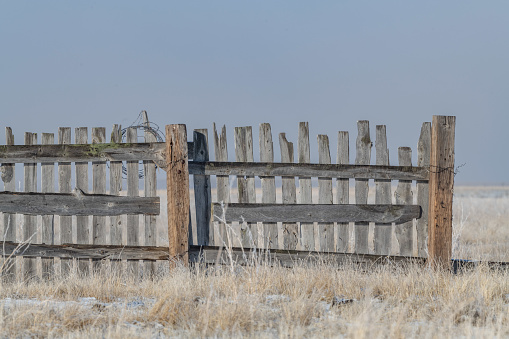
177	188
441	183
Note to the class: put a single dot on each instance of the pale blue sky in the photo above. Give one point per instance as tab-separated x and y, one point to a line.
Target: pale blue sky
96	63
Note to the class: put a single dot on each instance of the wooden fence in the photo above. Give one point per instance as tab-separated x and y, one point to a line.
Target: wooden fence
45	230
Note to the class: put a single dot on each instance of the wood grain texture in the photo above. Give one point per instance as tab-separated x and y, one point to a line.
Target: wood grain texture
223	184
64	231
309	170
307	231
99	231
82	222
343	190
441	185
178	192
47	221
30	232
363	157
325	230
246	185
404	196
116	225
9	220
382	233
423	156
270	230
94	252
202	193
292	213
289	195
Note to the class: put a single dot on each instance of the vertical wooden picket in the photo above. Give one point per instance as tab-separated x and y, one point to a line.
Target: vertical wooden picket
343	191
246	185
202	192
82	222
30	221
99	187
116	226
382	232
325	230
133	221
64	186
404	196
10	225
150	187
47	221
363	157
289	194
423	156
223	183
307	230
270	231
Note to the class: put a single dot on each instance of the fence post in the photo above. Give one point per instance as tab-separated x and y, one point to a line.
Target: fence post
177	187
441	182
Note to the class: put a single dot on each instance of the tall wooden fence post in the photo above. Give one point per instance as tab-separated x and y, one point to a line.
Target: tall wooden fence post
441	182
177	187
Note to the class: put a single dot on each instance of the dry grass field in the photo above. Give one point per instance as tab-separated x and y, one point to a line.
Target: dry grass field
260	301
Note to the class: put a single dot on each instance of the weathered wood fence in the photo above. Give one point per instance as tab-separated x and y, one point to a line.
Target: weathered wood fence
294	220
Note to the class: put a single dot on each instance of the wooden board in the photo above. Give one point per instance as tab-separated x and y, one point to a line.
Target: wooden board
404	196
270	230
116	225
363	157
309	170
47	221
307	231
133	190
9	220
292	213
30	234
82	222
99	231
82	153
202	193
77	203
423	156
325	230
382	233
289	196
223	184
343	191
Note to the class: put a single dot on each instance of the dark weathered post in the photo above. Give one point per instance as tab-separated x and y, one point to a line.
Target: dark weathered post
441	182
177	187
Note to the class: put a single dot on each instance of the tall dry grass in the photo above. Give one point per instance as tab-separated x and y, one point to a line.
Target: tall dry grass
261	301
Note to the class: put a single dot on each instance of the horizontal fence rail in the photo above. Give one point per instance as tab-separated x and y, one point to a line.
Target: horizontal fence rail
77	203
385	214
309	170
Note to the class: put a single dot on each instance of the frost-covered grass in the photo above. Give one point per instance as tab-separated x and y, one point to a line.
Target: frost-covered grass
320	300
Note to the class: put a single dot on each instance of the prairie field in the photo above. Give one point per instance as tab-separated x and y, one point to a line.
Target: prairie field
262	300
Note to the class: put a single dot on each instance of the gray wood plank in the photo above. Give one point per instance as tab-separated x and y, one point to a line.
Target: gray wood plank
9	220
289	195
309	170
382	233
307	231
30	232
325	230
202	191
76	203
99	231
64	230
423	160
82	222
133	190
363	157
246	185
95	252
404	195
343	191
150	188
81	153
327	213
47	221
270	230
116	225
223	184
